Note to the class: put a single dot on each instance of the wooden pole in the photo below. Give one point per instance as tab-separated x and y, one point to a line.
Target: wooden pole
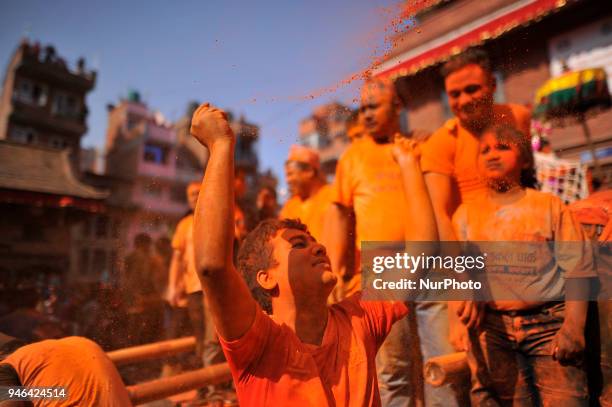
160	389
152	351
445	369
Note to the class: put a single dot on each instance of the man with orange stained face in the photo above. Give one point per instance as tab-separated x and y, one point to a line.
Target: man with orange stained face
368	190
284	344
311	196
449	156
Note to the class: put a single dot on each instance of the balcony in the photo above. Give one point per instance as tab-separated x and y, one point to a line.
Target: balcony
39	116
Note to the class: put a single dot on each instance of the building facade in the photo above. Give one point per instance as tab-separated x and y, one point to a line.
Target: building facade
151	167
528	42
43	99
43	199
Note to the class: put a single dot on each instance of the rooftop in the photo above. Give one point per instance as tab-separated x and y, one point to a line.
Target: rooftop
42	170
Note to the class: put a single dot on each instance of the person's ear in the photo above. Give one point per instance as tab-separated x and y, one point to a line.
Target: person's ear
266	280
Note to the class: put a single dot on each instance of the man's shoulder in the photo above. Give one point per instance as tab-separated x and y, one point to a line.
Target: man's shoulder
290	207
185	221
542	198
441	144
447	131
326	192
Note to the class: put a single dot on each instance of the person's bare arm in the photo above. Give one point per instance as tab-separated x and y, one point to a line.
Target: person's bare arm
337	238
440	190
569	342
461	314
176	273
423	225
230	301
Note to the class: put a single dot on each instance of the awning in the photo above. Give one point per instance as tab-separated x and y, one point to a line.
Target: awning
481	30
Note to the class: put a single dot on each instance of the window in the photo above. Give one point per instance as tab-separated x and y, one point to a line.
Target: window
315	140
58	142
31	232
101	226
25	135
115	229
65	105
155	154
84	261
132	122
86	228
153	190
99	261
29	92
114	266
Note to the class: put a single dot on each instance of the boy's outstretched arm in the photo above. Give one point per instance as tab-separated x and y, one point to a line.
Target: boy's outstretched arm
420	210
230	301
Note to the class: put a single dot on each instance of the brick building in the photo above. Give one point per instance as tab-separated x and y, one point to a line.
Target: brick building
43	208
43	99
152	161
528	40
151	169
44	202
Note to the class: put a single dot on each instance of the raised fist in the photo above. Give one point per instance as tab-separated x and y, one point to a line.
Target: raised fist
405	150
209	125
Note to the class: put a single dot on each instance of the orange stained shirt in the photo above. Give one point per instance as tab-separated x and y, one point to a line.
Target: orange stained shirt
78	365
183	242
369	181
534	217
453	150
310	211
271	366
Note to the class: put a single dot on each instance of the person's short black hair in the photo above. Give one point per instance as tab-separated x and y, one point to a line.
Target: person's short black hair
255	254
470	56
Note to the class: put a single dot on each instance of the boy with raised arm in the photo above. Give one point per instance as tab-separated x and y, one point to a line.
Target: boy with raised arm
288	347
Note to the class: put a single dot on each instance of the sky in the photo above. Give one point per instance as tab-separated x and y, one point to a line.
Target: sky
261	59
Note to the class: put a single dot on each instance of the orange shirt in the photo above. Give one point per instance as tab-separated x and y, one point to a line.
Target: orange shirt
183	242
78	365
534	217
369	181
310	211
453	150
272	367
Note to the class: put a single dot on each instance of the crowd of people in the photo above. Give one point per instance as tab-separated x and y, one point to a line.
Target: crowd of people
281	300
